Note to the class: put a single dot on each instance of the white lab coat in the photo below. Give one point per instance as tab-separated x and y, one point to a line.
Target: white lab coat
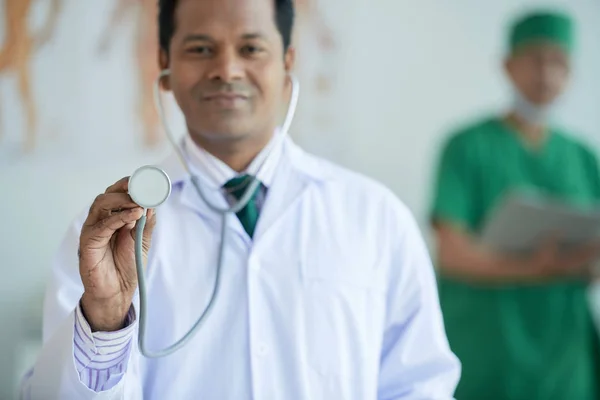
334	299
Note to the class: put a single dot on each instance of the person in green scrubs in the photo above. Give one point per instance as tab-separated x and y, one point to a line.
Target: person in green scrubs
521	326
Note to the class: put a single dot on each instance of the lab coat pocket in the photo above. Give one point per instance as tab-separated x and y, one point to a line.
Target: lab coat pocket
344	300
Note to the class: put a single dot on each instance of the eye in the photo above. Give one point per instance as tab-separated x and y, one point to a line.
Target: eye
202	50
251	50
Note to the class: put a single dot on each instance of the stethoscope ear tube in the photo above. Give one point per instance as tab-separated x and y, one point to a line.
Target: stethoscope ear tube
226	212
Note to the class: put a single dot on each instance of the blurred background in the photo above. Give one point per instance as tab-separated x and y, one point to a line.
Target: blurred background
384	81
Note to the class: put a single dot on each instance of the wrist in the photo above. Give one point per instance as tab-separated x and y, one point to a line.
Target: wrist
104	315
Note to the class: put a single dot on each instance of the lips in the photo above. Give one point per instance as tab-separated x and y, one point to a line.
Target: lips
224	95
225	99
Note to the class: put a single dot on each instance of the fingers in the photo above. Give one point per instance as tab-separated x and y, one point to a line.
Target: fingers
147	235
590	252
593	247
99	234
107	204
585	250
150	222
115	198
120	186
149	227
551	242
547	249
581	256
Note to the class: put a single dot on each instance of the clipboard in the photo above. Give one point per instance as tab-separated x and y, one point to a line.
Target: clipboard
521	223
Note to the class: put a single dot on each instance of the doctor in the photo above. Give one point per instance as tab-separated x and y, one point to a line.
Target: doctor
521	326
327	288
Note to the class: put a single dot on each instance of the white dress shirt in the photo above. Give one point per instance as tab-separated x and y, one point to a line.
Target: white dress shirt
218	173
334	298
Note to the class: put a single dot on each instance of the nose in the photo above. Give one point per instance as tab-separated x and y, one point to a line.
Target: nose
227	67
549	73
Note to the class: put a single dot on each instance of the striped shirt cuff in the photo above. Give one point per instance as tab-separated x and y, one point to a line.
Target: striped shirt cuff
101	357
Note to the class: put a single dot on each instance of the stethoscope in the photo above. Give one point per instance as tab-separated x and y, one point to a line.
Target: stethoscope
150	186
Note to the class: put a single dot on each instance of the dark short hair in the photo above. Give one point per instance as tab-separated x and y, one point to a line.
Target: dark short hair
284	18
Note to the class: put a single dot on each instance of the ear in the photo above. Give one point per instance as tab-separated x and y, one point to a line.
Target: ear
508	65
289	60
163	61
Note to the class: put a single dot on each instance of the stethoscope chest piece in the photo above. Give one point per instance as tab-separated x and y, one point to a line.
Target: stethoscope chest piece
149	186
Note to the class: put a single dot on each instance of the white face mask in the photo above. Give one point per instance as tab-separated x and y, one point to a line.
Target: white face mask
532	113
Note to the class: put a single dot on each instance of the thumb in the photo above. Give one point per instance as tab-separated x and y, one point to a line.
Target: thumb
148	228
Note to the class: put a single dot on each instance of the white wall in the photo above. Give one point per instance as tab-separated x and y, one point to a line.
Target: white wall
407	72
435	64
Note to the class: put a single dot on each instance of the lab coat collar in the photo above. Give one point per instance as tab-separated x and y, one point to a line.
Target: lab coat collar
302	162
294	171
218	173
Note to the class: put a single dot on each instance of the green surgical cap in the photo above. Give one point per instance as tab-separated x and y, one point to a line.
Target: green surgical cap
553	27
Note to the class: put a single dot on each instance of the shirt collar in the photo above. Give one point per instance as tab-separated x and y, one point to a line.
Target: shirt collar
218	173
309	165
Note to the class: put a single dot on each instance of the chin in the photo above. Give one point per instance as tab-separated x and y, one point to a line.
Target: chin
545	97
544	102
539	99
222	133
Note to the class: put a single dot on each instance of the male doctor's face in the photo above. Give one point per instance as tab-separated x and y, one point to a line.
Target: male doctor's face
540	72
228	70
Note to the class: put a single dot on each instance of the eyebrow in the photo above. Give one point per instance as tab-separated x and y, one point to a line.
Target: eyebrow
253	36
207	38
198	37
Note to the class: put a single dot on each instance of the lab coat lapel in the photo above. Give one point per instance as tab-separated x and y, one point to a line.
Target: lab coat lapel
190	198
287	188
296	172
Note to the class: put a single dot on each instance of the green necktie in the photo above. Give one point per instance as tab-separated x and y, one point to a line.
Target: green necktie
248	215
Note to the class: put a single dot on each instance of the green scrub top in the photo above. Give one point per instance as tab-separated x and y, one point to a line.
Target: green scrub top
516	342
